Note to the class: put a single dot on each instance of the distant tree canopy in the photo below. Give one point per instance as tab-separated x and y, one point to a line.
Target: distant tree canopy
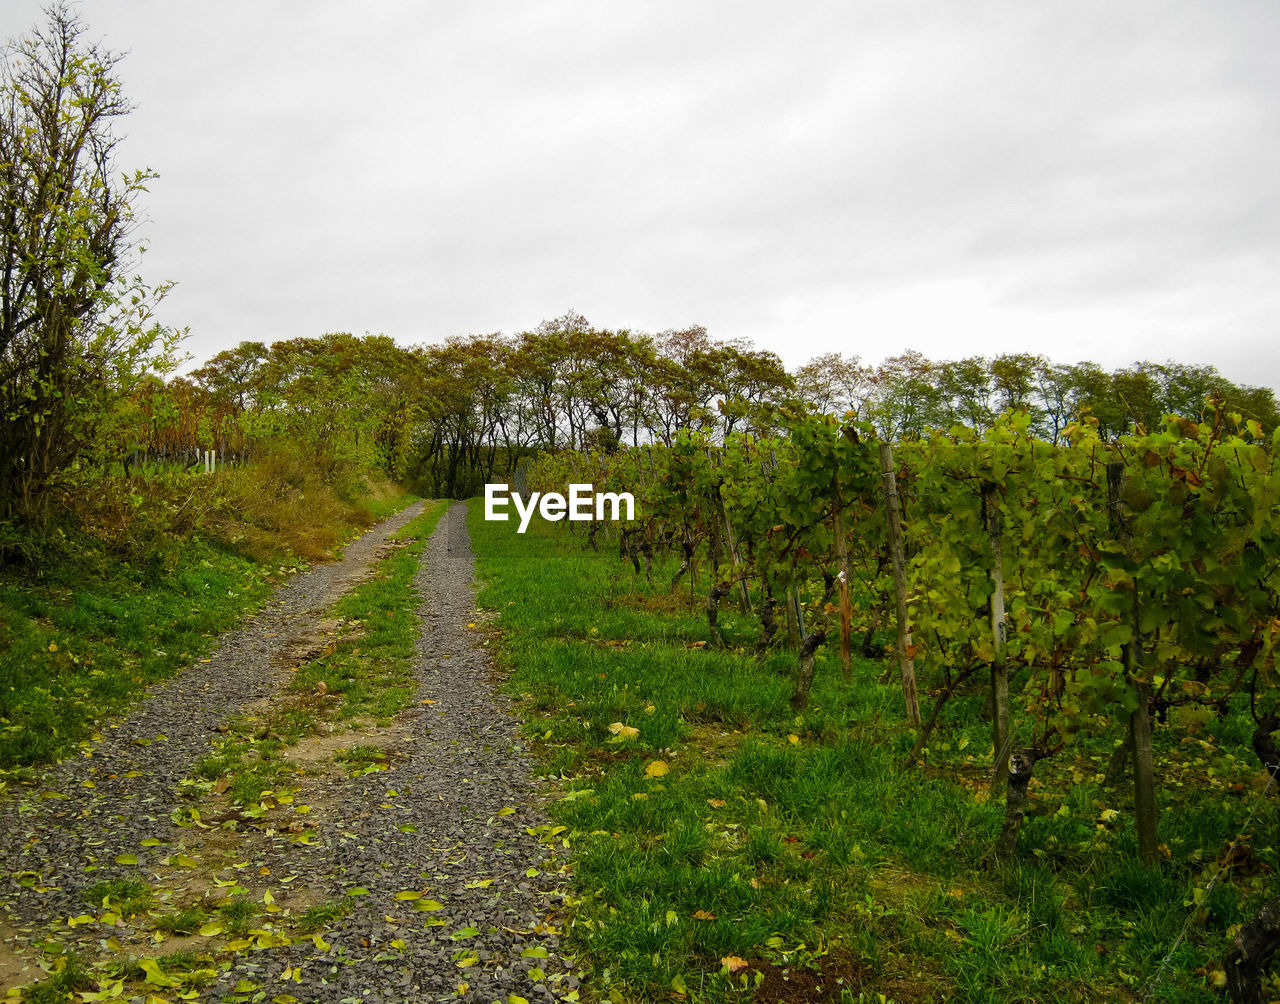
447	418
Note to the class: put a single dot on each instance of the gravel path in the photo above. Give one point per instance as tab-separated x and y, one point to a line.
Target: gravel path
448	815
445	827
90	804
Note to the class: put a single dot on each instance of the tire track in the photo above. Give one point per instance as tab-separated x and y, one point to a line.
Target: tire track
63	836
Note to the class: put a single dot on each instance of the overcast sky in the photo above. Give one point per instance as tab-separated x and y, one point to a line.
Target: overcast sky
1083	179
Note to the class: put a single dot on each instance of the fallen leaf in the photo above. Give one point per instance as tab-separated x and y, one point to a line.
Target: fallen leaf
733	963
658	768
703	915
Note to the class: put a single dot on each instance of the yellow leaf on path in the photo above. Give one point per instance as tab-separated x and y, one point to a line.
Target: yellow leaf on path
320	943
156	975
733	963
658	768
508	811
429	701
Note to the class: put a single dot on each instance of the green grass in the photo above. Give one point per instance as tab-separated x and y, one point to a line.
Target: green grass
238	914
317	918
82	641
74	651
186	921
125	897
798	841
68	975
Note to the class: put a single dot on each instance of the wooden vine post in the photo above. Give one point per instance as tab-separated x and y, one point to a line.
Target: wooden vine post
999	670
898	557
1144	788
846	610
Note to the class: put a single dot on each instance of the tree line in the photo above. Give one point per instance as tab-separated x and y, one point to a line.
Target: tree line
88	384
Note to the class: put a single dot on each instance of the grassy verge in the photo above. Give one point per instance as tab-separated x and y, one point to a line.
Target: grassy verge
725	848
140	586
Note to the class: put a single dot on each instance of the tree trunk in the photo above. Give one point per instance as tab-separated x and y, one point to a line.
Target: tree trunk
1144	788
768	625
1119	760
868	648
687	564
905	662
805	663
714	595
744	594
999	670
1021	765
1252	948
